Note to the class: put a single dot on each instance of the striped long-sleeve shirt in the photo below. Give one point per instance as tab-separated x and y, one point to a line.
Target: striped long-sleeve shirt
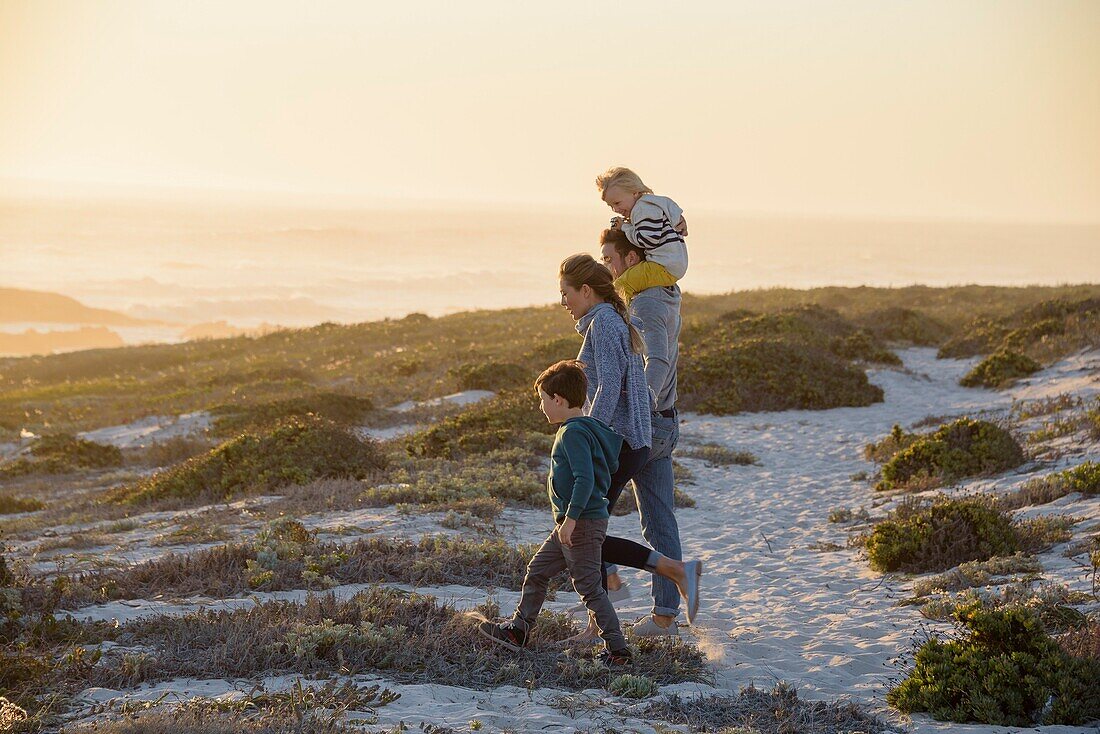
652	227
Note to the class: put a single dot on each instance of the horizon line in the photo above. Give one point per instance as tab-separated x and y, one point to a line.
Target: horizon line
75	191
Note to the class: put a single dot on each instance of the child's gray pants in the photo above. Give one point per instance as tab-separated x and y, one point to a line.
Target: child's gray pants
583	560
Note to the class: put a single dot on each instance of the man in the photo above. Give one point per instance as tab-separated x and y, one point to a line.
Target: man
658	309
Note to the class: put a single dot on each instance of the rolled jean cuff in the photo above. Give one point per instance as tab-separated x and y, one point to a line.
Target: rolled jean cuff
666	612
651	562
610	568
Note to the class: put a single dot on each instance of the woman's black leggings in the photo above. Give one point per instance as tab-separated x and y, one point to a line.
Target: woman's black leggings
616	550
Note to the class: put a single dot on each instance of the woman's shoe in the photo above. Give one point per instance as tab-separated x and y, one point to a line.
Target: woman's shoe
693	570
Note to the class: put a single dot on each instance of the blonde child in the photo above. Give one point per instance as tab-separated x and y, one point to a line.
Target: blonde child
654	224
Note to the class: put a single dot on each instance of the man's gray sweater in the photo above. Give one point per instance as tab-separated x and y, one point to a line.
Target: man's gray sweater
658	310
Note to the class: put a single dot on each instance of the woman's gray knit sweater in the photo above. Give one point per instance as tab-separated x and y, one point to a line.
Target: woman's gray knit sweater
617	391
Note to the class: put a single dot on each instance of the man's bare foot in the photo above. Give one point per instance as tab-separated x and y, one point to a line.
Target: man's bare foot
673	571
590	633
614	583
686	577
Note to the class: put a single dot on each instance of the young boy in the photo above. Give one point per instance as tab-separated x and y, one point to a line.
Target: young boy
653	224
585	454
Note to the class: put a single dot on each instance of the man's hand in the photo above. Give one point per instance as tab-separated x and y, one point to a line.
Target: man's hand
682	227
565	532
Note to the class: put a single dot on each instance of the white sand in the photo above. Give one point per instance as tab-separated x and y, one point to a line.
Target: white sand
467	397
154	429
772	608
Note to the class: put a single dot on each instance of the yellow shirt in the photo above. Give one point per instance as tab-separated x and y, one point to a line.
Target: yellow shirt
637	278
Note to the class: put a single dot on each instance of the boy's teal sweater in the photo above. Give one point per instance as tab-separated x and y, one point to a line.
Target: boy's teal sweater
585	453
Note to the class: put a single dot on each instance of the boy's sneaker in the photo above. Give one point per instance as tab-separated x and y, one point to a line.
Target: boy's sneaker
646	627
505	634
613	658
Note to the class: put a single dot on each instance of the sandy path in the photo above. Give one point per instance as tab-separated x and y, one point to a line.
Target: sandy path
776	610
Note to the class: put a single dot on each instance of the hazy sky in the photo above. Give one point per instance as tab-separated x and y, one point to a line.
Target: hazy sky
970	109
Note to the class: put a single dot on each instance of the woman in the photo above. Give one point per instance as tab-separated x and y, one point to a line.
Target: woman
619	396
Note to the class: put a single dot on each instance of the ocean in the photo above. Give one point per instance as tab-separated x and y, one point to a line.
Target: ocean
181	264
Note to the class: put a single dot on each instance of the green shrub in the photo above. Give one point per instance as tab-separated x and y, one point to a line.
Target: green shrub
10	505
510	419
1000	369
1055	429
294	451
489	375
1003	670
62	453
632	686
762	375
964	448
1050	603
1044	331
935	536
171	451
336	407
511	475
976	573
981	335
814	325
546	353
886	449
794	359
905	326
1083	478
1039	533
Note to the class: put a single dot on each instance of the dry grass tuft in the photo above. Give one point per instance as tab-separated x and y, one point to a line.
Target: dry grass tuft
628	503
299	710
516	475
1051	603
778	711
1083	642
1084	478
408	637
976	573
718	455
10	505
287	556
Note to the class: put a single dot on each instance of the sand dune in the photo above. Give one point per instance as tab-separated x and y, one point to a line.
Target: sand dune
774	609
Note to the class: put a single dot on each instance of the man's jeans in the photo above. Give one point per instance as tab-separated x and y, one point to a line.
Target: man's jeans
653	487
